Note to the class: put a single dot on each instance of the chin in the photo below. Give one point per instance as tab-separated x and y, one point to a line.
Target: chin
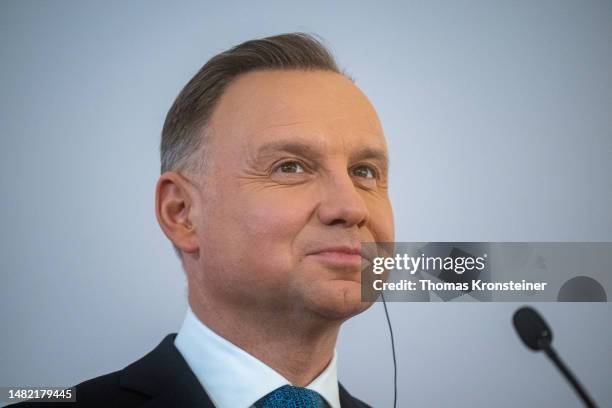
337	300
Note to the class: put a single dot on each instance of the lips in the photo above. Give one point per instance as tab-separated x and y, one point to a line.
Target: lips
340	249
341	256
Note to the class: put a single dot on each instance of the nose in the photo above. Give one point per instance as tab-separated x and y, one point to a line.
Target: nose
341	203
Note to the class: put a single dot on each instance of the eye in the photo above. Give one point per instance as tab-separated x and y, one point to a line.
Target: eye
290	167
365	172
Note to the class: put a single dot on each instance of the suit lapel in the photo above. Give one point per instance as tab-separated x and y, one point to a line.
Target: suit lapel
164	375
347	400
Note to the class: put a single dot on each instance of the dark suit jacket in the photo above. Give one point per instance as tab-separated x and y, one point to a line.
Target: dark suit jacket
162	378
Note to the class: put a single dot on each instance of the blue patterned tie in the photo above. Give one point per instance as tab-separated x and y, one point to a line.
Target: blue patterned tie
289	396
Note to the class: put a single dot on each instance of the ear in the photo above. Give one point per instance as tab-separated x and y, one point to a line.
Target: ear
175	211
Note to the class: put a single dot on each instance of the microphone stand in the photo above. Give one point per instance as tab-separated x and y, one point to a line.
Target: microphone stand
545	345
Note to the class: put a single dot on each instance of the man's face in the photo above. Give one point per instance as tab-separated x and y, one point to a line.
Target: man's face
296	177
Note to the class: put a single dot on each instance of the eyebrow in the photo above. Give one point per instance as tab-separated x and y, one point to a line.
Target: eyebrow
297	148
372	153
307	150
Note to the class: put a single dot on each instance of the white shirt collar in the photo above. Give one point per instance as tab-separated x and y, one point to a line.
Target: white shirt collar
232	377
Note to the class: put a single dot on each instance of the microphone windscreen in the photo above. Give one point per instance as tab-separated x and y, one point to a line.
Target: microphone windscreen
531	328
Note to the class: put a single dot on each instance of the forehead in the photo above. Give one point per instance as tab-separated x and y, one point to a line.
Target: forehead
321	107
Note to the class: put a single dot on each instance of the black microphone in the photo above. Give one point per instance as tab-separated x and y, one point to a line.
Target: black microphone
536	335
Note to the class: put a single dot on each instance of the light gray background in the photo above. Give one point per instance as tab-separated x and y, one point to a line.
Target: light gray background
499	120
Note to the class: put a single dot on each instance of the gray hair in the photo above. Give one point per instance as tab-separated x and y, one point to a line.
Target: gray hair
184	135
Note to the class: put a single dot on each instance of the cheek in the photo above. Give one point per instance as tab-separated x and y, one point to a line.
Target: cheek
248	243
273	221
381	221
265	228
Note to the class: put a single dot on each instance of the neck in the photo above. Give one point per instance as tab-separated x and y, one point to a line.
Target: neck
297	348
